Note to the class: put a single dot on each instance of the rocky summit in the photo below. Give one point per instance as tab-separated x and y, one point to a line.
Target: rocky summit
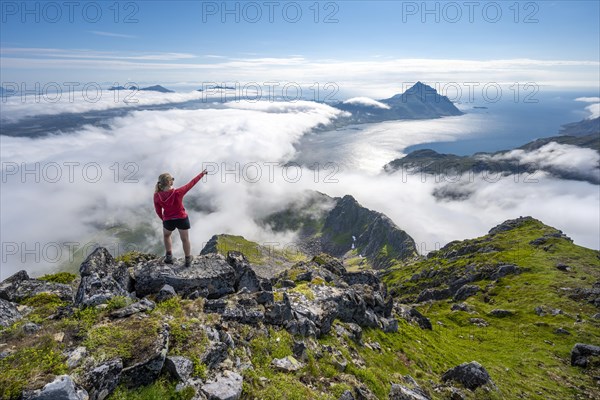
512	314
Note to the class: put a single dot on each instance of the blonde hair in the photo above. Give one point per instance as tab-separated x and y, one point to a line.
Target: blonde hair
164	181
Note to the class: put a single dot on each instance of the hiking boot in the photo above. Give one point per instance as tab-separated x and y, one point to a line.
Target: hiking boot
188	261
169	259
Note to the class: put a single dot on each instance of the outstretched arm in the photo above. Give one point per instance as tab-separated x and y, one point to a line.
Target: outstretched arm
185	188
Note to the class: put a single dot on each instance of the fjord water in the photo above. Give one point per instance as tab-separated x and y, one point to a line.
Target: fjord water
503	125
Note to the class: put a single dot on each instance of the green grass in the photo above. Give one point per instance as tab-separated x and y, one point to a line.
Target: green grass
521	352
60	277
30	366
162	389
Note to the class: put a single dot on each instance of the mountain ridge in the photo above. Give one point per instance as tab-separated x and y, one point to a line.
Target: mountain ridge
527	303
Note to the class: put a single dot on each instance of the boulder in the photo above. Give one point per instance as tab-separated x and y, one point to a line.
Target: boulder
19	287
30	328
9	314
413	315
227	386
140	306
147	371
165	293
433	294
286	364
501	313
61	388
102	380
100	278
209	275
180	368
75	356
347	395
465	292
245	277
581	353
471	375
400	392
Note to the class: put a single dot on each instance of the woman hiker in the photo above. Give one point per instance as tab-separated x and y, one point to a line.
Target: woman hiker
168	203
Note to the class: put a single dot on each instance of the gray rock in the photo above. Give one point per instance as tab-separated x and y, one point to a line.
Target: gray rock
98	284
180	368
501	313
19	287
245	277
433	294
227	386
280	313
563	267
30	328
347	395
147	371
165	293
510	224
389	325
209	274
460	307
214	355
581	353
456	394
140	306
300	351
400	392
415	316
465	292
9	314
363	393
471	375
504	270
286	364
479	322
561	331
103	379
75	357
591	295
61	388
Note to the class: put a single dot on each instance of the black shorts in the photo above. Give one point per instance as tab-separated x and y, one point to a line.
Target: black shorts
182	223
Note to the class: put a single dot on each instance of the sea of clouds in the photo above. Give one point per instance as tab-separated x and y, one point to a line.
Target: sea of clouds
67	190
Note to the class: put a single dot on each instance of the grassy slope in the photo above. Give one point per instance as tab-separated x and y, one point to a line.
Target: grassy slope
523	355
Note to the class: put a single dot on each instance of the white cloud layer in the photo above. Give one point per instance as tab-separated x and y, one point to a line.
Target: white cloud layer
593	109
245	146
15	108
367	101
563	157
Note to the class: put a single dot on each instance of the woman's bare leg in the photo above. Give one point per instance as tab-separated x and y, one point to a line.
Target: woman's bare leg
184	234
167	240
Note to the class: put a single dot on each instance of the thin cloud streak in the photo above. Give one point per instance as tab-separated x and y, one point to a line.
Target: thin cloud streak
113	34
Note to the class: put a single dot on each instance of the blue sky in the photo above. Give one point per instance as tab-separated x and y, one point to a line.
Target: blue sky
555	43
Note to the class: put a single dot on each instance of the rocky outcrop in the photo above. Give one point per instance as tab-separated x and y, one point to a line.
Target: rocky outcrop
377	237
20	286
9	314
471	375
337	226
590	295
101	279
147	371
581	353
102	380
61	388
227	386
180	368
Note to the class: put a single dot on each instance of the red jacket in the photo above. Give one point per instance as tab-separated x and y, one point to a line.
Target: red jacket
169	204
